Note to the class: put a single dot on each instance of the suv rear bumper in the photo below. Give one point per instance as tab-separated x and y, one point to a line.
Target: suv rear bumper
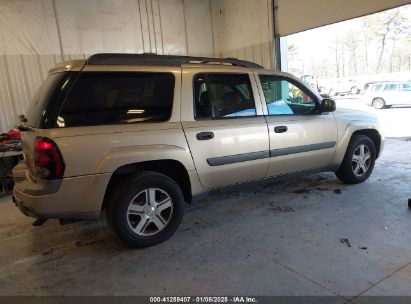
23	208
75	197
35	207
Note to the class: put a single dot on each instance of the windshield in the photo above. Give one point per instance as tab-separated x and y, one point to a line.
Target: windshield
39	104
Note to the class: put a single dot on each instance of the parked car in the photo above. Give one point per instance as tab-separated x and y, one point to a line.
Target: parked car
368	85
140	135
386	94
310	81
343	87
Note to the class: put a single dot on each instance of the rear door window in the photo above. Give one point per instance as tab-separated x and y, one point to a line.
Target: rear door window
406	87
391	87
218	95
118	98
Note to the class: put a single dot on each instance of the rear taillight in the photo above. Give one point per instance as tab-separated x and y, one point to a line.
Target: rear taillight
48	159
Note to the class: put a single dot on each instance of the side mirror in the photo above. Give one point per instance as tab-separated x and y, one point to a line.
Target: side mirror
328	105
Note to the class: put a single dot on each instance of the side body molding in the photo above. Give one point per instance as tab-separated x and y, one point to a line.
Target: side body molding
231	159
301	149
238	158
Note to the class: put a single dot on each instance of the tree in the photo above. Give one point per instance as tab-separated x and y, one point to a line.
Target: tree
292	50
367	37
336	57
390	24
377	43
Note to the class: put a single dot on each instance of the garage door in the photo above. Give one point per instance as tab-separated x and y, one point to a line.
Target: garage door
299	15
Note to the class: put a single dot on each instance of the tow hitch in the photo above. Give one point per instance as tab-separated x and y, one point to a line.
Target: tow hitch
39	222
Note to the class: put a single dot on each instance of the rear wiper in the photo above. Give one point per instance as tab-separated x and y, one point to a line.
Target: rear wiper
23	126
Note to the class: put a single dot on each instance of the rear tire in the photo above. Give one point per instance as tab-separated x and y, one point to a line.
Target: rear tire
146	209
359	160
378	103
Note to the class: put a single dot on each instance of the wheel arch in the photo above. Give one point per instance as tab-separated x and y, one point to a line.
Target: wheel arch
374	135
169	167
352	130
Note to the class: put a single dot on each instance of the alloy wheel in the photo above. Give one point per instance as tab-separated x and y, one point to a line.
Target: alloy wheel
150	211
361	160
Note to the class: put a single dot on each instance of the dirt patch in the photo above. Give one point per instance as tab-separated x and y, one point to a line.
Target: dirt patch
345	241
282	209
302	191
87	243
48	252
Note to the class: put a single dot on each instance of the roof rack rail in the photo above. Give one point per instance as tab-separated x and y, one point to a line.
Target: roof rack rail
163	60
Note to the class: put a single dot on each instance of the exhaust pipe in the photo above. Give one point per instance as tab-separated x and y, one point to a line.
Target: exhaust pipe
64	221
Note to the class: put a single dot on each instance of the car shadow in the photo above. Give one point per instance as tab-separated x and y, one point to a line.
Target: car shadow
53	241
397	107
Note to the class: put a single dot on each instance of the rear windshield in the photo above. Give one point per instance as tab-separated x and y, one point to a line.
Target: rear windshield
38	110
118	98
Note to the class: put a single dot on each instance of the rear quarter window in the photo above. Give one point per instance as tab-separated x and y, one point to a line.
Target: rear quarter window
40	106
118	98
376	87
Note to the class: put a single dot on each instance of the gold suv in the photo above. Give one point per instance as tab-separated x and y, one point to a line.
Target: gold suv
139	135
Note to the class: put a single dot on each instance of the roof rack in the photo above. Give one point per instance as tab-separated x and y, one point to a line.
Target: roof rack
164	60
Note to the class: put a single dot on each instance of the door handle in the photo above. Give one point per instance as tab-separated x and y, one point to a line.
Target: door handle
280	129
205	135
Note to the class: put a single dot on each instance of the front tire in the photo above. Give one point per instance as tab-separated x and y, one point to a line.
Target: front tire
359	160
145	209
378	103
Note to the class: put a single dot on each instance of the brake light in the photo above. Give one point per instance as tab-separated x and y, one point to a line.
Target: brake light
48	159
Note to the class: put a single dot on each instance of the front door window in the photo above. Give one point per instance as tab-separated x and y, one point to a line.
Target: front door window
285	98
